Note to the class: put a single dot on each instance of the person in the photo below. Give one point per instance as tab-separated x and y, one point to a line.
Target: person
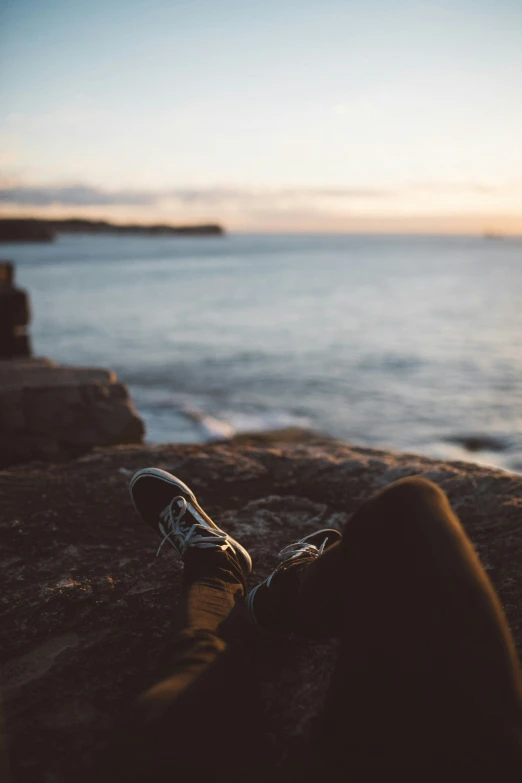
427	678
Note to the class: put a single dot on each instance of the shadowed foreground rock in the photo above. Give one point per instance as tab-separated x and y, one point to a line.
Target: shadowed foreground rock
87	606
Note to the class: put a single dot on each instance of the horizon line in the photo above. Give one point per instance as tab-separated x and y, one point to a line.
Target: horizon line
456	224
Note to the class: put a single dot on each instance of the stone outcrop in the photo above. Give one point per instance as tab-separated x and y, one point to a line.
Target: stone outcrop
15	314
34	230
52	412
87	606
83	226
25	230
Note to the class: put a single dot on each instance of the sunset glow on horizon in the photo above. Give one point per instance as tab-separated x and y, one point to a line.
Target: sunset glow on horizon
348	117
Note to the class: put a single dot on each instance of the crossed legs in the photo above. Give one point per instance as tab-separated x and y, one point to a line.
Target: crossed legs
427	675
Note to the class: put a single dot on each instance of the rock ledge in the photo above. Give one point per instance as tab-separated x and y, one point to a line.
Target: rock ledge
87	606
53	412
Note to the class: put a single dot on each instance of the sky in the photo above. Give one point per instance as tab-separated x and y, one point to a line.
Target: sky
338	115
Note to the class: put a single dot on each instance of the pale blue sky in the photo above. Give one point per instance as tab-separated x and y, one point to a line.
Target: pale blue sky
273	115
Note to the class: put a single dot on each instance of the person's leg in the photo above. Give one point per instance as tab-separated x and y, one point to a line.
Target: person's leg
182	725
208	701
427	673
212	586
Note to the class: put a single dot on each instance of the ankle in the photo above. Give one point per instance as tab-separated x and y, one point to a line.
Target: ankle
213	565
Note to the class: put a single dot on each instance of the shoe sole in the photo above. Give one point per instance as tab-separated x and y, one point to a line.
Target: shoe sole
168	478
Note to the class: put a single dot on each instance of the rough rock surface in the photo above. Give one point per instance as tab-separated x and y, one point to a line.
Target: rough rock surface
87	606
53	412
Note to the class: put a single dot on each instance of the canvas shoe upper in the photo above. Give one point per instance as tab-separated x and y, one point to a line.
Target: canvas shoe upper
269	599
170	508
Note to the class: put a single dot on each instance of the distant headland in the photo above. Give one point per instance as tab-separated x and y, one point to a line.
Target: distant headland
36	230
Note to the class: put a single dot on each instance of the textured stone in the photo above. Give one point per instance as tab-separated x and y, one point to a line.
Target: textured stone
88	606
51	412
26	373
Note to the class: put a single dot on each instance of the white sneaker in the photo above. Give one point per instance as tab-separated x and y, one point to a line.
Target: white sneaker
169	507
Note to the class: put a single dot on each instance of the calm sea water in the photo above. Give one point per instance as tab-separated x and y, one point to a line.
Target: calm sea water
402	342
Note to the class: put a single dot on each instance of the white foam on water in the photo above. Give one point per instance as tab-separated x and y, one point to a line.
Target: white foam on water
182	418
453	452
211	428
268	420
232	423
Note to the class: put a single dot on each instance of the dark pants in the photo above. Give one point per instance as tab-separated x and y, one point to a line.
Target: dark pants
427	676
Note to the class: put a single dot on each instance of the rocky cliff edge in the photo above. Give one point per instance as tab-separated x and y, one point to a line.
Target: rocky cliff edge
87	606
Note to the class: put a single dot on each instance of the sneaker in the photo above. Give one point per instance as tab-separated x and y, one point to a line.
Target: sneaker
266	603
169	507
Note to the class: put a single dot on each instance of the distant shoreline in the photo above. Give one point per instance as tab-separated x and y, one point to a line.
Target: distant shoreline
41	230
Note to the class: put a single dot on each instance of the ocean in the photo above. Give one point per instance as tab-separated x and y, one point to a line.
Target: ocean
401	342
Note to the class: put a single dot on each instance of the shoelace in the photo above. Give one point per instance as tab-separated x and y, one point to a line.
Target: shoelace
295	550
216	539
